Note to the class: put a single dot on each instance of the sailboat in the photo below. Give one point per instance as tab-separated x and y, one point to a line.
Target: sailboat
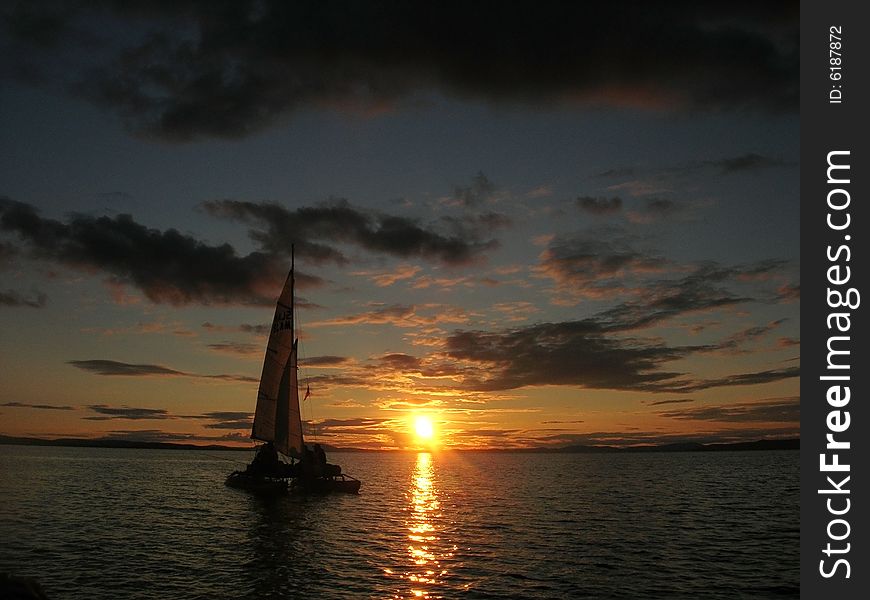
278	420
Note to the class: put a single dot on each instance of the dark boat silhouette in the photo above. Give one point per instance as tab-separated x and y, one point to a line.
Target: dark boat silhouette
278	421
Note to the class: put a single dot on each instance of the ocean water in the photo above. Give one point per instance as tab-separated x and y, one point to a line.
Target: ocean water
154	524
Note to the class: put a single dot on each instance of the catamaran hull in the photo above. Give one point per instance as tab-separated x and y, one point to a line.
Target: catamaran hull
326	485
270	485
257	485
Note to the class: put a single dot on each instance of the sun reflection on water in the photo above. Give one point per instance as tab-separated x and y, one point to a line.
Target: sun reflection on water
425	545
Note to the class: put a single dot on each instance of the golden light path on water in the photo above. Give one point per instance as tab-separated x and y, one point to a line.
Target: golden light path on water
426	548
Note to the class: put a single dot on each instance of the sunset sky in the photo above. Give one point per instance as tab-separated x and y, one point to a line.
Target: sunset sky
547	226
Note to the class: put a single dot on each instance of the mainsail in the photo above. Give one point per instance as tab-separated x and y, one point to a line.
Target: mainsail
277	418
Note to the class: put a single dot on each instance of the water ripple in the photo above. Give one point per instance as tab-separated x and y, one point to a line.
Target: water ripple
102	523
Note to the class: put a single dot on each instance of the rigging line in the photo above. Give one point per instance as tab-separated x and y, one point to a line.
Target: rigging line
306	408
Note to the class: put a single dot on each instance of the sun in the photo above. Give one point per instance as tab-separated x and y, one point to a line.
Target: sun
423	428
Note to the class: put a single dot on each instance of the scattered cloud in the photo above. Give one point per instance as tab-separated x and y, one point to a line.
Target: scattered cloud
729	165
239	348
655	209
745	162
542	191
259	329
7	252
399	315
480	191
126	412
112	368
388	278
600	206
754	378
595	264
788	342
325	361
785	410
736	342
36	406
227	420
11	298
703	289
788	292
672	401
515	311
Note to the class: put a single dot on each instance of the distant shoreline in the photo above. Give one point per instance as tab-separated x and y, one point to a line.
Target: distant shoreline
787	444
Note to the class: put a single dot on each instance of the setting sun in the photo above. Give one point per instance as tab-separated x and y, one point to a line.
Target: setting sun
423	428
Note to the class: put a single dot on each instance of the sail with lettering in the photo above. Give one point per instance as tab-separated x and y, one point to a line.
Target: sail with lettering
277	417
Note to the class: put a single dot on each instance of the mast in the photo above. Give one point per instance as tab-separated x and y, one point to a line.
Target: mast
294	413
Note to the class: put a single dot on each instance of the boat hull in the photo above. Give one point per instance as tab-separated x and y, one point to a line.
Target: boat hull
259	484
256	484
326	485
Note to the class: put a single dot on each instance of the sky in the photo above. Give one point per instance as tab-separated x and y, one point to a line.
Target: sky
542	225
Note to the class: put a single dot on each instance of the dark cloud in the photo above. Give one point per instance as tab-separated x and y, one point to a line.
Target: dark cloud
324	361
729	165
653	210
36	406
126	412
599	206
754	378
592	265
569	353
605	263
734	343
315	229
113	368
12	298
772	410
156	435
261	329
650	211
745	162
167	266
7	252
325	382
189	69
586	353
480	191
674	401
236	348
400	362
226	415
228	420
706	288
618	172
216	420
